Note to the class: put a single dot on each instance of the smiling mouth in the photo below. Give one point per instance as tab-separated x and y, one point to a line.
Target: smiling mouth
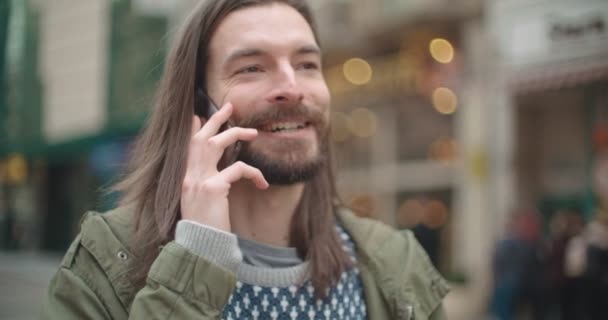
287	126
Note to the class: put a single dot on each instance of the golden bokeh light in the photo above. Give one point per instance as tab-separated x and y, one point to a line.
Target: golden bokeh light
435	215
410	213
16	169
357	71
444	150
363	123
363	205
445	100
441	50
340	130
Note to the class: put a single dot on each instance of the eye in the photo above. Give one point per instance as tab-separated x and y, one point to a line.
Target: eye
250	69
310	66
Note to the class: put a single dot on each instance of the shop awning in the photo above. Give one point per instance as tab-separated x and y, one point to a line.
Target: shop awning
556	76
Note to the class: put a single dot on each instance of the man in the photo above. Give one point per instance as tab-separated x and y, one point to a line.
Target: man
202	237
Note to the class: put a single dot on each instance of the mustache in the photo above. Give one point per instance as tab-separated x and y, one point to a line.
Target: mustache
278	113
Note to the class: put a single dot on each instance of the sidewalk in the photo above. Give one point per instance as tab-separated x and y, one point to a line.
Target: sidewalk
23	281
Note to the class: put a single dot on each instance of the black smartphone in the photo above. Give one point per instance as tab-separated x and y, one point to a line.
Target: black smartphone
205	107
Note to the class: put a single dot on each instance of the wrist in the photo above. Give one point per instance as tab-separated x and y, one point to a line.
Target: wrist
218	246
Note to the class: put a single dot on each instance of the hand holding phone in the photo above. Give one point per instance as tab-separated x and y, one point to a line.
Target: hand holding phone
206	183
231	152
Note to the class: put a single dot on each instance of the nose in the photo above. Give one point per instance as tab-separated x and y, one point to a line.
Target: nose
286	89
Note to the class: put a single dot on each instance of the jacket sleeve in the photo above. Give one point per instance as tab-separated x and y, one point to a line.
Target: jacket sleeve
438	314
70	298
191	289
180	285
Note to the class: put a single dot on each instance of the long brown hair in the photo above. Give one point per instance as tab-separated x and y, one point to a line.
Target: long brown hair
152	186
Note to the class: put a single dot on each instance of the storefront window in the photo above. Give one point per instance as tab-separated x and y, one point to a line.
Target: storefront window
428	215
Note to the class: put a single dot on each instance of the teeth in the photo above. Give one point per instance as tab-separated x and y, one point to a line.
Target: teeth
281	126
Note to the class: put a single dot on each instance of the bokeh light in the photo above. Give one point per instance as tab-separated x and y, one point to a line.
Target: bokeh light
444	150
16	169
445	100
340	130
363	205
441	50
435	215
410	213
357	71
363	123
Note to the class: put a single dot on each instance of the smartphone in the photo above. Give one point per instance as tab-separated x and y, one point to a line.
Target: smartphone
205	107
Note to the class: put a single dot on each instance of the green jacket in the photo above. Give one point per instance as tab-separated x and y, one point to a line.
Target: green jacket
93	279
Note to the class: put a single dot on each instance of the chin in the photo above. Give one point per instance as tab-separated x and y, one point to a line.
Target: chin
286	168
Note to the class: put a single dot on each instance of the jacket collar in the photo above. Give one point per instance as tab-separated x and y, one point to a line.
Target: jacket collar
107	237
402	271
393	264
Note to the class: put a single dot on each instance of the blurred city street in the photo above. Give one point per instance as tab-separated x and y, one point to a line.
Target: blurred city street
479	125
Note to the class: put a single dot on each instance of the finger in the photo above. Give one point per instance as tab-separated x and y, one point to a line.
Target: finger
217	120
196	124
232	135
194	156
240	170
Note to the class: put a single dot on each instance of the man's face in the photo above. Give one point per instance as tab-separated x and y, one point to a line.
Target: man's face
266	62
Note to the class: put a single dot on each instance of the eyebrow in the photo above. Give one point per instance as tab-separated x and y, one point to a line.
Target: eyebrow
242	53
253	52
309	49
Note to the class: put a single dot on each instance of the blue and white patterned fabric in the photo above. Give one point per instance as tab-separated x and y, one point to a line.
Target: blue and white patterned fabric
345	300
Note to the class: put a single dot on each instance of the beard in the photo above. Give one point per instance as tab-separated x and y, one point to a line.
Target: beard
294	165
280	171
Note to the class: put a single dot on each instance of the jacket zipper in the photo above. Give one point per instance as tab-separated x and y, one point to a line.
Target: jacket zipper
406	312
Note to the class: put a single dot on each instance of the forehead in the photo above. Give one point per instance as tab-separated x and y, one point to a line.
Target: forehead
273	26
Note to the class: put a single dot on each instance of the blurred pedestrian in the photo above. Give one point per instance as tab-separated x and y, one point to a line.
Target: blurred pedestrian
563	288
587	260
517	269
200	236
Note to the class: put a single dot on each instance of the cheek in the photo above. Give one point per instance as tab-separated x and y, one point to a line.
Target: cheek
320	94
241	99
240	111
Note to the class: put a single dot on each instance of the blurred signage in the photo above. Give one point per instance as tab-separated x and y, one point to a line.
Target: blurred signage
153	7
16	169
570	29
539	31
478	164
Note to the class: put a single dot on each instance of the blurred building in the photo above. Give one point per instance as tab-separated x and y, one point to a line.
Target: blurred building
545	96
447	115
80	77
553	62
406	122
